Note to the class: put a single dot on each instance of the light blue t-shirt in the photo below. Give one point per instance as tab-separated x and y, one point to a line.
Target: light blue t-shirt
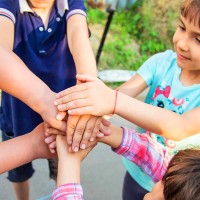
162	75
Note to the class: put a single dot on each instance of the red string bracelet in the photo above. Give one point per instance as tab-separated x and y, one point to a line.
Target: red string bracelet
115	101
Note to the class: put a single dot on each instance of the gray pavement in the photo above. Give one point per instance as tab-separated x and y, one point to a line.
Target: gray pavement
102	175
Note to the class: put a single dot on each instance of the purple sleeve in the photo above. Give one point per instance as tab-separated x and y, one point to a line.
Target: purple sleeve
70	191
141	149
8	8
76	7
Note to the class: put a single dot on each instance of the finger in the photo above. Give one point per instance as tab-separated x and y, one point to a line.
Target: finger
52	145
50	139
78	103
89	129
61	115
53	131
76	88
71	127
96	128
71	97
52	150
79	132
105	130
60	125
82	111
105	122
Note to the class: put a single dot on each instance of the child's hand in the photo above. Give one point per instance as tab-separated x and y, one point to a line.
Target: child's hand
92	97
39	147
64	153
50	134
82	129
49	112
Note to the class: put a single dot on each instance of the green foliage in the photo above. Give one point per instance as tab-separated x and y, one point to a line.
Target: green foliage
135	36
96	16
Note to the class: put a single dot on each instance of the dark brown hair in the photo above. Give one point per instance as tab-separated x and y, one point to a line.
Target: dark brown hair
182	179
190	9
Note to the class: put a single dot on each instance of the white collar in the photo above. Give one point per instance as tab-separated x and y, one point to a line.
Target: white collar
62	5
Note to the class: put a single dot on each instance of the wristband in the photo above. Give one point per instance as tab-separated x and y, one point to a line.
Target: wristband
116	94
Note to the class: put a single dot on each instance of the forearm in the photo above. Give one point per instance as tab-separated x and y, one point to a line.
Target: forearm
19	81
80	47
68	171
114	139
154	119
16	152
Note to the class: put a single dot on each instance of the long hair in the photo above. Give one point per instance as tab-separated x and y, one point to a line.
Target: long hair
182	179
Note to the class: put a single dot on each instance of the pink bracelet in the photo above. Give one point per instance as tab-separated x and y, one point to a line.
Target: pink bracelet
116	94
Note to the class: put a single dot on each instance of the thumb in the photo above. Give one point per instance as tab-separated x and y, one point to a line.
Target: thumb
83	78
61	115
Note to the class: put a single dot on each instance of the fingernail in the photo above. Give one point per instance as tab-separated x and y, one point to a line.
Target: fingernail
60	106
58	117
69	142
46	140
100	135
83	146
76	149
55	103
91	139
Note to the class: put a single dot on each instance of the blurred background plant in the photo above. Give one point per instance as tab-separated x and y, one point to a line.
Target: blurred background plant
135	34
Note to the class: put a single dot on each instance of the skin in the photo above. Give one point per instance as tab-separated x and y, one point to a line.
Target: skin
156	193
28	147
95	98
80	129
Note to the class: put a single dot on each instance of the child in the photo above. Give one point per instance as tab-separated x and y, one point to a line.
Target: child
174	81
51	38
140	149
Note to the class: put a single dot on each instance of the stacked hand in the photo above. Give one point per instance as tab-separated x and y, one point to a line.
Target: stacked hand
79	129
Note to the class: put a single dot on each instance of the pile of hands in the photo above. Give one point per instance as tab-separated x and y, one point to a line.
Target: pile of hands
80	131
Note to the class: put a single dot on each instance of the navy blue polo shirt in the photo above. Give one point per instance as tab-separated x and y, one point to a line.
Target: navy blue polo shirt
44	51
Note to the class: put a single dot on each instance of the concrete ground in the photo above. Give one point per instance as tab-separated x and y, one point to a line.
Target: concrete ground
102	175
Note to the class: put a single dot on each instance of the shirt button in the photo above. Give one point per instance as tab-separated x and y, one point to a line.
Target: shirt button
49	30
57	19
41	29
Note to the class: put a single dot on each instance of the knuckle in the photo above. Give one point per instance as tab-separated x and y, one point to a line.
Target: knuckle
80	131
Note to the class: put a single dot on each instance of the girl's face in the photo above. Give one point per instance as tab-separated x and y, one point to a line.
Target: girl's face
156	193
187	44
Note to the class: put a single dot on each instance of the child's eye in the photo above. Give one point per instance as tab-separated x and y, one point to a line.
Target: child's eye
198	40
182	27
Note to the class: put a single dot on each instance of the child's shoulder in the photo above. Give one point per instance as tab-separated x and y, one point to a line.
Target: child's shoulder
166	55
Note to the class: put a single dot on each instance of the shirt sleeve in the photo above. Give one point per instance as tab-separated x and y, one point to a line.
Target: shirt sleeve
8	8
76	7
153	67
71	191
141	149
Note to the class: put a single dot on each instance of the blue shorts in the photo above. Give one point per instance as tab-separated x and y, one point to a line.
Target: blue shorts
22	173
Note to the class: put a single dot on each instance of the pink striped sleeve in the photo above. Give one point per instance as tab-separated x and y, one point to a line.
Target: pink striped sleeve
70	191
149	155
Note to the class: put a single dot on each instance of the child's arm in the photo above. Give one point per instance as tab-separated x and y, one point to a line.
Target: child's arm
81	129
17	80
23	149
68	180
96	98
140	149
